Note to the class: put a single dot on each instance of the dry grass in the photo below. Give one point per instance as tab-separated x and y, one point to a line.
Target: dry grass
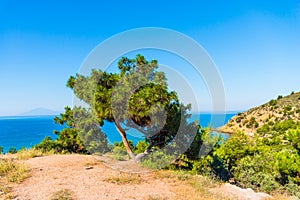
10	172
13	171
278	196
151	197
188	186
26	154
63	194
124	178
5	191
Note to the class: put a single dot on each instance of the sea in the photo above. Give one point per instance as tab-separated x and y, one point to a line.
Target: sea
26	131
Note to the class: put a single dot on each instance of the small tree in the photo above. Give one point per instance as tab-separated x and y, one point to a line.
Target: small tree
81	136
136	97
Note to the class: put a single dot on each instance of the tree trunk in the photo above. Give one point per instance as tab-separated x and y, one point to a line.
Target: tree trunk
124	139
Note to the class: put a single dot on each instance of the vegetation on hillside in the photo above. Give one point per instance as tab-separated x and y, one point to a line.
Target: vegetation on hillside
276	110
267	164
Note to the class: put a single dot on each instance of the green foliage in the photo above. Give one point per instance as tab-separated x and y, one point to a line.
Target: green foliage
287	108
264	129
268	163
288	163
235	148
1	150
158	160
82	135
140	147
273	102
293	136
136	97
252	123
264	163
12	150
68	141
279	97
48	144
258	172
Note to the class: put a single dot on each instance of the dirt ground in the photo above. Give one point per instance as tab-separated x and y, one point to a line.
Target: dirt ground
98	177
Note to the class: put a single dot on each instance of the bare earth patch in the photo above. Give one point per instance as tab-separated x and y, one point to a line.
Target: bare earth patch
100	177
85	178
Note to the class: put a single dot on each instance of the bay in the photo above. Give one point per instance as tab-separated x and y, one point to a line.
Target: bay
26	131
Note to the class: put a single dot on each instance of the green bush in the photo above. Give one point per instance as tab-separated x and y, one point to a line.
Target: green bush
12	150
273	102
83	136
158	159
68	141
287	108
293	189
257	172
119	153
267	163
140	147
48	145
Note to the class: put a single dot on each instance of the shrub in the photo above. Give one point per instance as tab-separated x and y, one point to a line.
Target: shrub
287	108
12	150
273	102
68	141
257	172
140	147
293	189
288	163
238	119
48	144
119	153
157	160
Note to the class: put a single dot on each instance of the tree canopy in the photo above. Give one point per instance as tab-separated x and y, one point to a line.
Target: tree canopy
137	97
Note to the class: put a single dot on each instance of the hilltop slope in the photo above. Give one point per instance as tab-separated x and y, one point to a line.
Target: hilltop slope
280	109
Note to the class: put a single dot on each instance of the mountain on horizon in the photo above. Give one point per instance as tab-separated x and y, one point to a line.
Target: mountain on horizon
39	111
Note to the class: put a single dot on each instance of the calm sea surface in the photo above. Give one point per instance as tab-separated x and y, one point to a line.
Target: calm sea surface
27	131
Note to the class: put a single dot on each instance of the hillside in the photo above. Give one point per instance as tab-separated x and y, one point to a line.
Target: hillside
280	109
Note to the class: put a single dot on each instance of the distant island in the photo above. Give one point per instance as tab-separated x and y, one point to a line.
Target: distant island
39	111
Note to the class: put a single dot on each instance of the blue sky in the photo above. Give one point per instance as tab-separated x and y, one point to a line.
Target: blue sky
255	45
